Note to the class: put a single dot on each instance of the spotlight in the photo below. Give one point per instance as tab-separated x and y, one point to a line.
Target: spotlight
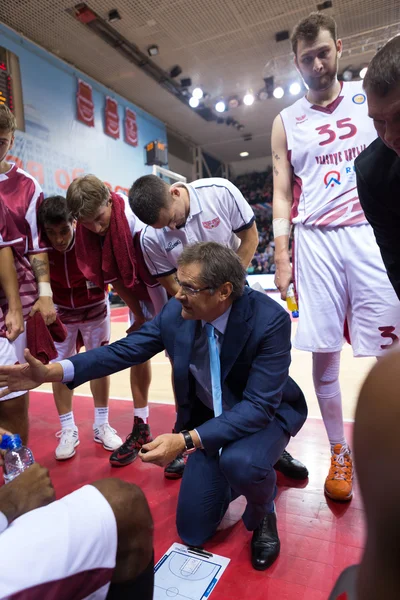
269	85
243	154
363	72
220	106
295	88
175	71
233	102
220	120
240	127
278	92
347	75
280	36
248	99
113	16
186	82
197	93
263	94
194	102
152	50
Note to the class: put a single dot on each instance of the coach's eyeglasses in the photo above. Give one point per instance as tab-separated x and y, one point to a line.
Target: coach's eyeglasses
189	291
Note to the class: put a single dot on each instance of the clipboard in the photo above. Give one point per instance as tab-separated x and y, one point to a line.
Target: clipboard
186	573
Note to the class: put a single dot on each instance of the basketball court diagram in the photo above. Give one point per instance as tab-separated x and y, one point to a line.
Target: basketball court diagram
184	576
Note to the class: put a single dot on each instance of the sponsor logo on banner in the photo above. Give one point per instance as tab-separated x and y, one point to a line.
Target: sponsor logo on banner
172	245
84	103
131	129
359	99
331	179
111	122
212	224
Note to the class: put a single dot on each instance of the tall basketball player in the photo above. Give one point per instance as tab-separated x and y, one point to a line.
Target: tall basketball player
338	271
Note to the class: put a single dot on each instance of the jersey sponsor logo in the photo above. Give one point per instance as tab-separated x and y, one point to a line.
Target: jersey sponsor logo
359	99
172	245
212	224
332	178
301	119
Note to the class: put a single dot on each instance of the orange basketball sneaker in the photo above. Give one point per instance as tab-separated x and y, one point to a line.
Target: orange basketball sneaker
339	483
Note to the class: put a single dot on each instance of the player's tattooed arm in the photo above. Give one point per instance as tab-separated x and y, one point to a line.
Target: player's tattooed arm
40	268
275	157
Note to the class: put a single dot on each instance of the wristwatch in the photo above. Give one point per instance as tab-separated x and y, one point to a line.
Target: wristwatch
189	444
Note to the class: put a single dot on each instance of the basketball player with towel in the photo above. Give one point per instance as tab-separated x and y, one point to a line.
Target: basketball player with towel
338	271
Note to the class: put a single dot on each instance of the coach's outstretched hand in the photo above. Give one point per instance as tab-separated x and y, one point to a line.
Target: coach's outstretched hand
15	378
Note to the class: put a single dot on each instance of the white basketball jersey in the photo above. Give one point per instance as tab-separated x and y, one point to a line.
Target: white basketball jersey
322	145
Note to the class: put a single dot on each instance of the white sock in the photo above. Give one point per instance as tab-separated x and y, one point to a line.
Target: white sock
100	415
142	413
67	421
327	388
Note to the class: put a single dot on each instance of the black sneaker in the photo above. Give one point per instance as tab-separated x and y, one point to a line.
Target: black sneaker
175	468
129	450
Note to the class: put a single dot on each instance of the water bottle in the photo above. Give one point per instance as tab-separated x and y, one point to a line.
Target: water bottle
291	301
17	459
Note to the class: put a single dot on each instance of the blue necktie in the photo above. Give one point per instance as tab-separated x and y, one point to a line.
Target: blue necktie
215	369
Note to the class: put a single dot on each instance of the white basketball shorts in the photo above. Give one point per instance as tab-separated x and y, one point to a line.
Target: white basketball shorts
65	550
339	275
19	345
8	356
95	333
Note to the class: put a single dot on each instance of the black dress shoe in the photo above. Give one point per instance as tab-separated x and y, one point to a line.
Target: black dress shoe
175	468
265	544
290	467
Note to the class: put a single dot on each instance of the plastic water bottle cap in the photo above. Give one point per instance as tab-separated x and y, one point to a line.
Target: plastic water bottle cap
295	314
10	442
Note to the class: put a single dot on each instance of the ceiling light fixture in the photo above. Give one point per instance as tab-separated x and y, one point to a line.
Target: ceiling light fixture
295	88
248	100
198	93
243	154
152	50
113	16
175	71
347	75
220	106
233	102
194	102
279	92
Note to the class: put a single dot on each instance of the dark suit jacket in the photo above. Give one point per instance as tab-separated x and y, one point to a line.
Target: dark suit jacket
378	182
255	358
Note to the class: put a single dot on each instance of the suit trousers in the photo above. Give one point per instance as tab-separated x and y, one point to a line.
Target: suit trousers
210	483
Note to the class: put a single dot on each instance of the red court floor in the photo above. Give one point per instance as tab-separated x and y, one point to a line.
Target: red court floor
318	538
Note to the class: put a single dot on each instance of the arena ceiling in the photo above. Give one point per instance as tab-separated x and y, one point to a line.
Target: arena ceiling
225	46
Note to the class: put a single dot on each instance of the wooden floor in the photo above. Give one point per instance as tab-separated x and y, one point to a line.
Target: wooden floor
319	538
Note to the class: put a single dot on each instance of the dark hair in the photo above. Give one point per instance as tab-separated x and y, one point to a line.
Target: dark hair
219	264
147	196
54	210
308	28
383	73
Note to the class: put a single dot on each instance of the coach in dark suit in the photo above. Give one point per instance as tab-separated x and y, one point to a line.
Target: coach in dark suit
247	336
378	167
